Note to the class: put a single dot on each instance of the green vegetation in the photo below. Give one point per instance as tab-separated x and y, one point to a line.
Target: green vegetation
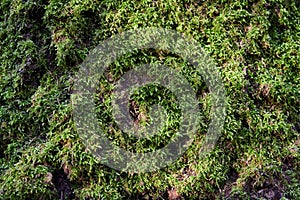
256	47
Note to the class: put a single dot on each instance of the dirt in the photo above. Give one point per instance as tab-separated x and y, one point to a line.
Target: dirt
62	185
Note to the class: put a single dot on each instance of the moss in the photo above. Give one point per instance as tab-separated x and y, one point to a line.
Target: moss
255	45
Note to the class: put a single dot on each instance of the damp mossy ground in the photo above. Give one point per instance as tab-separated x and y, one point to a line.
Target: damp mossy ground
255	45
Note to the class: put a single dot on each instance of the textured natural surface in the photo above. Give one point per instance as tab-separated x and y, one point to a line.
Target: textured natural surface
255	45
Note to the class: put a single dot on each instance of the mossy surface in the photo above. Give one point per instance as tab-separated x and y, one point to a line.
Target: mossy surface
255	45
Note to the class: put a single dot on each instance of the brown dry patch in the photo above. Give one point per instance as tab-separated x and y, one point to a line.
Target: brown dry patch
173	194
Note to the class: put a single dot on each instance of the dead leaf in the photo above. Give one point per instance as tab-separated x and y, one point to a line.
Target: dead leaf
173	195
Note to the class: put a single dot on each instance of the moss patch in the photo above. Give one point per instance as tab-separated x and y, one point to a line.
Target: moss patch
256	46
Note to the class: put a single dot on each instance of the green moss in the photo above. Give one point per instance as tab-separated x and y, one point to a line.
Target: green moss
255	45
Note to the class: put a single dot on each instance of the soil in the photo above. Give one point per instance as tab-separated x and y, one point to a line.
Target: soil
62	185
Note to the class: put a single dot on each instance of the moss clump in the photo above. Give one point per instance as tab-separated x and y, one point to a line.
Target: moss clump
255	45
